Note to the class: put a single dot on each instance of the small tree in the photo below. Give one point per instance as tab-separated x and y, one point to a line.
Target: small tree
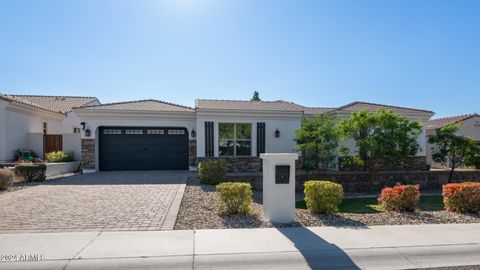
319	138
255	97
382	137
454	149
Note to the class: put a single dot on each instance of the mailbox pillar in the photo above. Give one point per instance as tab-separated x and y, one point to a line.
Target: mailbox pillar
279	187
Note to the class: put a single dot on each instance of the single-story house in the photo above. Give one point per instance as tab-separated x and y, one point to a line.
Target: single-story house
469	127
158	135
40	124
152	134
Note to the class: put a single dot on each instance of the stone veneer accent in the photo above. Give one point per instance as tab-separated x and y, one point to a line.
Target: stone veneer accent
192	152
416	163
361	183
244	164
88	153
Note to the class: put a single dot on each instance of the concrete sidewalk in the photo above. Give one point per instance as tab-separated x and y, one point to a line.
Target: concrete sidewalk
375	247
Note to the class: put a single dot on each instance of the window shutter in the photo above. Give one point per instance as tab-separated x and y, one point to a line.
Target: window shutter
260	138
209	139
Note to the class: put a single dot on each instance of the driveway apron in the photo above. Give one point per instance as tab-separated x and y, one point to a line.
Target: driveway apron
103	201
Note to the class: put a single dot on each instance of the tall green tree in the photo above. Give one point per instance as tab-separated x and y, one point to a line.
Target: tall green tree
318	137
382	137
256	96
454	149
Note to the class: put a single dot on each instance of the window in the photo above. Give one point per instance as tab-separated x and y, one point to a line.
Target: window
76	130
133	131
176	132
155	131
235	139
112	131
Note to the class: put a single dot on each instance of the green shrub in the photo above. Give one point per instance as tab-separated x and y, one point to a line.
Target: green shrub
6	179
234	198
401	198
323	196
462	197
31	172
212	172
59	156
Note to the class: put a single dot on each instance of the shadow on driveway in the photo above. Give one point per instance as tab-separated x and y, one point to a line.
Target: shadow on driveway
124	178
318	253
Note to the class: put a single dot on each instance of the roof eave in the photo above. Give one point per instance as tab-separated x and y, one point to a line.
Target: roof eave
101	113
247	110
31	110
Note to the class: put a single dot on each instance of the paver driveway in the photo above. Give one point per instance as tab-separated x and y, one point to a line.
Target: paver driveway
104	201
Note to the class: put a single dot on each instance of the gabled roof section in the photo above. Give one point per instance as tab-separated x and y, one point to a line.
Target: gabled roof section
440	122
278	105
61	104
359	105
139	105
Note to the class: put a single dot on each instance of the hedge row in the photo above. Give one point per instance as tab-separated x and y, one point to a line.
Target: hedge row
325	197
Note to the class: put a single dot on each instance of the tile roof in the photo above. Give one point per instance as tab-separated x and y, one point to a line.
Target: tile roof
10	98
315	110
440	122
359	105
62	104
281	105
139	105
278	105
58	104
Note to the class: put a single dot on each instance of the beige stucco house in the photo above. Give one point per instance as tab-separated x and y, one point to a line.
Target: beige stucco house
469	127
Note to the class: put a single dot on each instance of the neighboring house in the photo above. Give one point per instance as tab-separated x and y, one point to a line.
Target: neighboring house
39	124
469	127
151	134
422	116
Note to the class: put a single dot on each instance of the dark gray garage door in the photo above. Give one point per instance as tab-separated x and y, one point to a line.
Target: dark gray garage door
140	148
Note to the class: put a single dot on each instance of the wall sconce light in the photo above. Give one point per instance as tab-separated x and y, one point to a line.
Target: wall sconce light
83	125
277	133
193	133
87	132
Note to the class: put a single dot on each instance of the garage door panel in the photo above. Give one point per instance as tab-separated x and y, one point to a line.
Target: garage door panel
127	148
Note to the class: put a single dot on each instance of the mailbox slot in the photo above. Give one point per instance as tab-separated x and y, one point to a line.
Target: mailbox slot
282	174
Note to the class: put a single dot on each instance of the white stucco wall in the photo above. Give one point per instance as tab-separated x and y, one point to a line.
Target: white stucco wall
283	144
35	142
71	121
18	126
286	142
72	142
3	105
22	128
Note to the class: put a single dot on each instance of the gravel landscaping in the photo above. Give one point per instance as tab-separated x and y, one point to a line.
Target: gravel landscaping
197	211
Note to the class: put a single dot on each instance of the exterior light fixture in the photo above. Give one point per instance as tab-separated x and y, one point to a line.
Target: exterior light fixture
193	133
277	133
83	125
87	132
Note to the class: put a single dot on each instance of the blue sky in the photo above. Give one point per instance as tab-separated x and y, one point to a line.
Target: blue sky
422	54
